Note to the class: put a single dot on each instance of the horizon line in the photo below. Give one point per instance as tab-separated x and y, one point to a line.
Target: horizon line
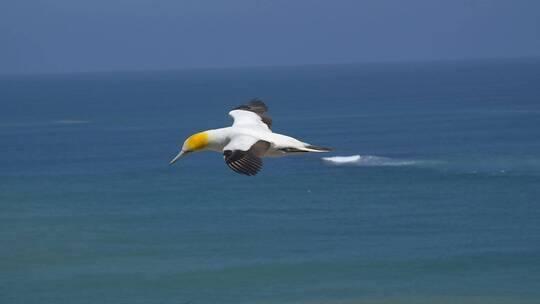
256	66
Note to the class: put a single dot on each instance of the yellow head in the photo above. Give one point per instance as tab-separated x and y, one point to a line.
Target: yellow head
195	142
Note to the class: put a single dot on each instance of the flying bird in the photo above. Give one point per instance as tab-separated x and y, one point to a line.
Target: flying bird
248	140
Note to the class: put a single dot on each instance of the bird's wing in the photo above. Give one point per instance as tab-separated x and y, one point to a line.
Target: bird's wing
243	154
251	115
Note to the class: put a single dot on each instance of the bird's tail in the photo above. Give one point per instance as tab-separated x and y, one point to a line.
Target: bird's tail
312	148
305	149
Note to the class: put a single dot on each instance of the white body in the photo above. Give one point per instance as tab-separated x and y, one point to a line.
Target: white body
242	138
247	129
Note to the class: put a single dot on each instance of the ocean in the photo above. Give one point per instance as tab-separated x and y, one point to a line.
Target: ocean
438	201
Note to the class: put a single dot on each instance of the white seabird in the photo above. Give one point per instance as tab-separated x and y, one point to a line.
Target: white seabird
245	142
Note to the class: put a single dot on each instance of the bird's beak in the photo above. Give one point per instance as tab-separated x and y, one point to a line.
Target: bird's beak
177	157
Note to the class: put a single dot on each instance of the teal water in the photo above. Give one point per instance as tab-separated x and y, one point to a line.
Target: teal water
444	210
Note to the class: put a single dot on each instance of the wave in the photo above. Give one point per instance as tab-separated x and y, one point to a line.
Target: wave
43	123
71	121
367	160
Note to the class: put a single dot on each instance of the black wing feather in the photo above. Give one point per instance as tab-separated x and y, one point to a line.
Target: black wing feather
255	106
258	107
247	162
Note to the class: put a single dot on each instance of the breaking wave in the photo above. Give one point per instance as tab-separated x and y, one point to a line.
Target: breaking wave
367	160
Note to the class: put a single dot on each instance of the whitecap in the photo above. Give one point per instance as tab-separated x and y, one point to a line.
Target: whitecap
366	160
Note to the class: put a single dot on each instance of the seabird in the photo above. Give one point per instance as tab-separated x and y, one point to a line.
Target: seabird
248	140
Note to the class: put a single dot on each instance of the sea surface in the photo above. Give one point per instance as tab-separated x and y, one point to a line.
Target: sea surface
441	205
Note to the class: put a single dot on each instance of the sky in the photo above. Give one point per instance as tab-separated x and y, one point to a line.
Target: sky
59	36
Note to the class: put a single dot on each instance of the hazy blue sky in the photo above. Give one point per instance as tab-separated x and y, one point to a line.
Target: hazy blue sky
77	35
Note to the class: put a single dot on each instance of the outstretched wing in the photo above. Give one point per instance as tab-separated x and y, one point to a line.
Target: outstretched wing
251	115
244	154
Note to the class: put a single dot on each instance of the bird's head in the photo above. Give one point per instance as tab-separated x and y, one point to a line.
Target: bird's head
195	142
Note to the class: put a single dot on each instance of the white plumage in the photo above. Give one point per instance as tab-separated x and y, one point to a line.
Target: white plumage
248	140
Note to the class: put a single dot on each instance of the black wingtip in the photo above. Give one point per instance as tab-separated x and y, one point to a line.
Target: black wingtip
258	103
255	105
258	107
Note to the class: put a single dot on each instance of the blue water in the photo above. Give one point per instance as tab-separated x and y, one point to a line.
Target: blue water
444	209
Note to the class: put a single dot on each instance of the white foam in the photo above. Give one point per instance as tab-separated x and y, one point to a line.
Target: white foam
366	160
342	160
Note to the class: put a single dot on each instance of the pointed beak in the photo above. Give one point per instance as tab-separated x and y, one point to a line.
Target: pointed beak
177	157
